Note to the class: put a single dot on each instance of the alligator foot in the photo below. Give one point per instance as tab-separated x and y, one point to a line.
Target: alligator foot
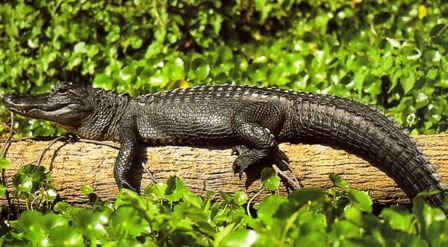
248	157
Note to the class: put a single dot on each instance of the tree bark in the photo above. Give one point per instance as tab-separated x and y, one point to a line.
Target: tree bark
202	169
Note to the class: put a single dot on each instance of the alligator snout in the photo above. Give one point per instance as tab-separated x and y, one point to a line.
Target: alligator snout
7	99
15	103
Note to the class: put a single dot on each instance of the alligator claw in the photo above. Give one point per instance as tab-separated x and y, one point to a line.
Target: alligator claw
282	160
239	168
240	150
127	185
71	137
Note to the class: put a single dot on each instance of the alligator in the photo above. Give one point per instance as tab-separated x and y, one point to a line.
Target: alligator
254	120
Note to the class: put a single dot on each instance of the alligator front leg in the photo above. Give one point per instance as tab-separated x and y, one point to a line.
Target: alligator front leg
128	151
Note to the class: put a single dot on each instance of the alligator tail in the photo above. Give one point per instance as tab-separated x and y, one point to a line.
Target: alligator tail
366	132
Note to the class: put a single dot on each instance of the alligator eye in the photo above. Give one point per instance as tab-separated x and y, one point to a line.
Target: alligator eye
59	92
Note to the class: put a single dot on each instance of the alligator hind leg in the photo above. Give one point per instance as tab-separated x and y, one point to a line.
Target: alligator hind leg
258	136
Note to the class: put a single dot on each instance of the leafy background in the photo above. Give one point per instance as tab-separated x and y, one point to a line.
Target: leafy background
392	54
388	53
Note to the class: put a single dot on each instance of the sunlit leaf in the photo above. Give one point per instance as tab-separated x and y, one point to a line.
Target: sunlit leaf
269	179
4	163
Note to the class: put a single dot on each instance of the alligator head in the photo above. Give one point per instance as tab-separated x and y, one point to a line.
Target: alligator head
67	105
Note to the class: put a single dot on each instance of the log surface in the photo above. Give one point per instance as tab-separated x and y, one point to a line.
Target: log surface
73	165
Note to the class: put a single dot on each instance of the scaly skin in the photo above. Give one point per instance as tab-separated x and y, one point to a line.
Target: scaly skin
253	119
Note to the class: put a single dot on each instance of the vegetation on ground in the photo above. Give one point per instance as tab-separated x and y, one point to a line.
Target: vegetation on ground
167	214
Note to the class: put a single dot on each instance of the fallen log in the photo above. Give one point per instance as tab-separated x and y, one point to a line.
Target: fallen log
73	165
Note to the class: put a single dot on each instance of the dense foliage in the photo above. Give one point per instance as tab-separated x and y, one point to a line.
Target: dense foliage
169	215
388	53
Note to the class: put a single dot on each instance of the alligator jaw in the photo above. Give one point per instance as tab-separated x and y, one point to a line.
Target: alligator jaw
23	105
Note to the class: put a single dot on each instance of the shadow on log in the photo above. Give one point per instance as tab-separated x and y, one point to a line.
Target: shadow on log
82	163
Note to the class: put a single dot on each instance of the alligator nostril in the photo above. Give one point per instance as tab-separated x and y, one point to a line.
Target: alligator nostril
7	98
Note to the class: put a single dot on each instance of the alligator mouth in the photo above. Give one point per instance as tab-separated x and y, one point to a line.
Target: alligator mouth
18	109
26	106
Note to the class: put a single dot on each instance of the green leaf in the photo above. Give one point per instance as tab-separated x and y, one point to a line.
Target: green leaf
80	48
387	63
361	200
201	68
154	49
156	191
269	179
408	82
51	193
66	236
240	198
437	29
240	238
359	78
126	222
343	229
257	72
242	63
30	224
52	220
29	178
89	223
268	208
264	7
136	42
395	43
338	181
174	69
261	59
86	189
114	35
445	201
33	43
61	207
4	163
175	190
432	74
3	190
159	79
421	100
305	195
223	233
398	220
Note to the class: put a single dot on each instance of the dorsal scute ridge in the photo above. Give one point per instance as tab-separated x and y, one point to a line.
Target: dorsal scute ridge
219	91
110	97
